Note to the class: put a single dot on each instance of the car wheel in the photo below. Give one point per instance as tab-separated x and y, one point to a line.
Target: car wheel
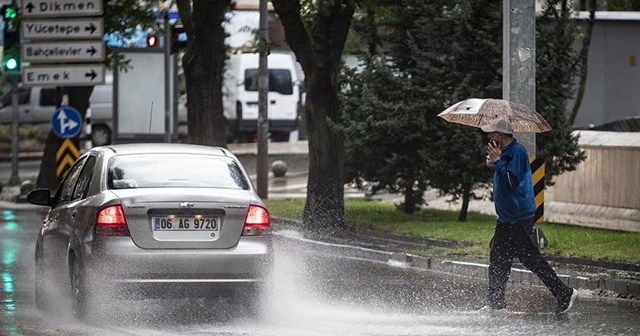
280	136
42	299
100	135
79	295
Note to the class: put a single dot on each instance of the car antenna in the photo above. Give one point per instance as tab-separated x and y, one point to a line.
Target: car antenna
150	118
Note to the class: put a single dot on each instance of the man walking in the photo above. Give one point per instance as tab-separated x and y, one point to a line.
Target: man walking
515	208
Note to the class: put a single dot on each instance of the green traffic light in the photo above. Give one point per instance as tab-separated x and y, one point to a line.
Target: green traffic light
11	64
10	13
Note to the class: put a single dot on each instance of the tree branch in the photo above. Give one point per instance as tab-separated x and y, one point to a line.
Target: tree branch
296	35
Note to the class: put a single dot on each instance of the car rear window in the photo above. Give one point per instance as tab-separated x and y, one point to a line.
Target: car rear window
174	171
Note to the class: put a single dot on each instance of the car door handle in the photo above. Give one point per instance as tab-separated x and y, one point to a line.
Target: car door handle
73	214
273	102
55	218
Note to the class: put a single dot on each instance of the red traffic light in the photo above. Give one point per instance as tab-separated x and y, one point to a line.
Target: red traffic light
152	41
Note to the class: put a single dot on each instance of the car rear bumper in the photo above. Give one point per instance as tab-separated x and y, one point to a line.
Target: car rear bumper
119	260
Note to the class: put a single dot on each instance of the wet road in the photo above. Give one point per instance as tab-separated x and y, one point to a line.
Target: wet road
315	292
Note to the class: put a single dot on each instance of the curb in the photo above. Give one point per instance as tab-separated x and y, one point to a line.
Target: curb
600	286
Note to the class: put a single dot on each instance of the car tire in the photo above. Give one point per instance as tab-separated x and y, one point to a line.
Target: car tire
279	136
79	294
100	135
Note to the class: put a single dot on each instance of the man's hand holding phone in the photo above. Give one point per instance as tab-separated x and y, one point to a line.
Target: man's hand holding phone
493	150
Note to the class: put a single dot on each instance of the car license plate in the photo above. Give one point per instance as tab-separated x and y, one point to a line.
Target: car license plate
177	228
197	223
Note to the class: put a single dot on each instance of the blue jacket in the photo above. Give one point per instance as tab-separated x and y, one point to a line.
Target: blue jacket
512	185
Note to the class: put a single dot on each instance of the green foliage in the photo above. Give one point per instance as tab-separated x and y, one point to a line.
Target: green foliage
440	53
453	54
24	132
123	16
287	208
623	5
308	11
369	28
384	134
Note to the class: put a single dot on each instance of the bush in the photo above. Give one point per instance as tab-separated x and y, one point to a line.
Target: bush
24	132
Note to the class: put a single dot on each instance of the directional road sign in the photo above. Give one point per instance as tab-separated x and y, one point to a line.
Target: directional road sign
63	75
63	52
61	8
66	122
80	28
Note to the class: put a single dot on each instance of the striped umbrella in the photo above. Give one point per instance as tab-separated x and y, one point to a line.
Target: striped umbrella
479	112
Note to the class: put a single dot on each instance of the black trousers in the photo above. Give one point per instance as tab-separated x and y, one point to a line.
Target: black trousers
517	240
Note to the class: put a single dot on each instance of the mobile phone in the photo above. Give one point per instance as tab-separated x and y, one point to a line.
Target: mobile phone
494	142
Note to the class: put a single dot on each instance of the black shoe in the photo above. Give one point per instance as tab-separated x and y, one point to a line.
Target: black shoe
565	302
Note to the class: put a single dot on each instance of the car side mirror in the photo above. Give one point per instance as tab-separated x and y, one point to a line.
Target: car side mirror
40	197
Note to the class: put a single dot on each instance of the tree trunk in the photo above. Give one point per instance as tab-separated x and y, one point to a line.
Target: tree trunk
50	176
325	186
466	198
319	51
409	205
203	64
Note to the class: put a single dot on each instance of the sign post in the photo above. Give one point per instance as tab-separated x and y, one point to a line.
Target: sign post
62	42
67	50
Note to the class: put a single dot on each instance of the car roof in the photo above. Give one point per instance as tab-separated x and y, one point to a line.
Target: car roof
165	148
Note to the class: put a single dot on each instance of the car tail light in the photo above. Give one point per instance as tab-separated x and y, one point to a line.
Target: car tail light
111	222
257	222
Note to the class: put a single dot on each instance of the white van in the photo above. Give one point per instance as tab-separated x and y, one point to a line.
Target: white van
36	106
240	96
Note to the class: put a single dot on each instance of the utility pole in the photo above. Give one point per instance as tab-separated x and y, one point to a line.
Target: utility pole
14	179
262	168
519	79
168	94
519	59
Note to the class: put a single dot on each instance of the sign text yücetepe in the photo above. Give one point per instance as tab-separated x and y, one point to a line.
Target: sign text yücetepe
53	28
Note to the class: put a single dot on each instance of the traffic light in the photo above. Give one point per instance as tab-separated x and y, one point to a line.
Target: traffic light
11	64
178	38
152	41
11	53
9	12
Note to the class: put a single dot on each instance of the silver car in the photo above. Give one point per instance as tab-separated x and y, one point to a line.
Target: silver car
180	220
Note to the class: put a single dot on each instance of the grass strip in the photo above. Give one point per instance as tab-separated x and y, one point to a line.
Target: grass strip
474	234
